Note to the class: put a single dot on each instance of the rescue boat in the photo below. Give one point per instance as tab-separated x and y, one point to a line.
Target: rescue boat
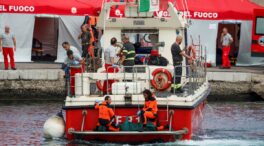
183	112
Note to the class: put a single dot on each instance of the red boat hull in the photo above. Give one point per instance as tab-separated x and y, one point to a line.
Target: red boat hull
182	118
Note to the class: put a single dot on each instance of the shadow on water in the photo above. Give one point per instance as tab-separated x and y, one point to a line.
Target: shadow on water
224	123
248	97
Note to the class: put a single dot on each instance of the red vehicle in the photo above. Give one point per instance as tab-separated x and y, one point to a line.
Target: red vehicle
257	47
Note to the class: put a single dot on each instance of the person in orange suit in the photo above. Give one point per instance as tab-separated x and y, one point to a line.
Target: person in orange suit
92	41
106	115
91	23
91	48
150	109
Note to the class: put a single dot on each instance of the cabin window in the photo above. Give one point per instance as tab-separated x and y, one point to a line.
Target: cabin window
143	40
259	25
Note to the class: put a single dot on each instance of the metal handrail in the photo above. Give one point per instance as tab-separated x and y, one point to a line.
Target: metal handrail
134	73
68	84
195	75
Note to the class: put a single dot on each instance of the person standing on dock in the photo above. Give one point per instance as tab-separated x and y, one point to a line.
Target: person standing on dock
8	46
177	56
128	55
226	40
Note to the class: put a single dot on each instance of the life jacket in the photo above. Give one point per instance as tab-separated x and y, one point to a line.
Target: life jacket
93	21
92	35
92	41
105	112
157	60
151	105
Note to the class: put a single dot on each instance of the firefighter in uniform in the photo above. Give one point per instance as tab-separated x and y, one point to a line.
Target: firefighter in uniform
128	55
177	56
106	115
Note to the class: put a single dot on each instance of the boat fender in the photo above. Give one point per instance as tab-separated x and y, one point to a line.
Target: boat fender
158	75
54	127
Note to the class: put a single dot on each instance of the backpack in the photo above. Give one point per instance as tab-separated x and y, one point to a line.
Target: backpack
163	61
129	126
153	60
158	60
150	127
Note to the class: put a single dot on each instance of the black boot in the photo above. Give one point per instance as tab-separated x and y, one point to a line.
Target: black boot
177	91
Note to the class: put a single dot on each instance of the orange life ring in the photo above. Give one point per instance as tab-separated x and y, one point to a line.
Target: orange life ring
100	86
159	76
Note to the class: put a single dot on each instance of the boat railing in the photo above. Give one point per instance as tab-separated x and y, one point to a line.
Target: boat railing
125	74
92	64
193	76
195	73
134	70
70	77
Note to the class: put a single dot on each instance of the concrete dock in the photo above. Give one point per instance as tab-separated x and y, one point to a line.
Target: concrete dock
46	80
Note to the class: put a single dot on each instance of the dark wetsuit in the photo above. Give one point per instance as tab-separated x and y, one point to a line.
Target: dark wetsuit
85	37
177	63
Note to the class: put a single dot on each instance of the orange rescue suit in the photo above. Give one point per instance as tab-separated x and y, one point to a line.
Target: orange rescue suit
150	109
150	112
93	21
105	112
91	46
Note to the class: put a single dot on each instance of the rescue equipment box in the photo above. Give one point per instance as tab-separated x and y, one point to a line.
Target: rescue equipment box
121	88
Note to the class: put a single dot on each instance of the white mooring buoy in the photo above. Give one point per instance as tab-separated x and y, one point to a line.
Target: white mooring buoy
54	127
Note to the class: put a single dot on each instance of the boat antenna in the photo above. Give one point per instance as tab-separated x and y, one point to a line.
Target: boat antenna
184	9
103	9
188	16
176	5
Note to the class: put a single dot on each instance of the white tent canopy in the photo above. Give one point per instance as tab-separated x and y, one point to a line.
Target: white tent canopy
207	29
69	29
22	26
